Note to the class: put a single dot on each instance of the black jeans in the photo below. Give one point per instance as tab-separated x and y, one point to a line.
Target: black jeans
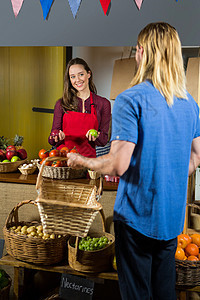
146	266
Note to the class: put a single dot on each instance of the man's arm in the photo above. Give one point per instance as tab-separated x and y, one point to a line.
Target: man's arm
115	163
195	155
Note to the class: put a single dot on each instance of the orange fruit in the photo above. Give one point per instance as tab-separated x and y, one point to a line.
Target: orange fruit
196	239
183	240
180	254
192	249
192	258
65	149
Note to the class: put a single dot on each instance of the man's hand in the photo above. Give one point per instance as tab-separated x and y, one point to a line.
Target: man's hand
75	160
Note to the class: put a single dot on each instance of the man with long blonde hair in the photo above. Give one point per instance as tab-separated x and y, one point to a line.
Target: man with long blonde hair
155	144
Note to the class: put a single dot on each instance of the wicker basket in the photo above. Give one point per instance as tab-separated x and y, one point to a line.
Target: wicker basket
11	166
30	249
188	272
28	171
91	261
67	208
60	172
4	293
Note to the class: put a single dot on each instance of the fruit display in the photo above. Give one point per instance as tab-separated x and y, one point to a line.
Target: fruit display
11	154
32	231
188	247
92	244
43	154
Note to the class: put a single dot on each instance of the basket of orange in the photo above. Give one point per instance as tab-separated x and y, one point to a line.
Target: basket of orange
187	258
53	165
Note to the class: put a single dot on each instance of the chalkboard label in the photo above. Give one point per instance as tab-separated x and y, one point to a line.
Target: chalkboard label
1	247
76	288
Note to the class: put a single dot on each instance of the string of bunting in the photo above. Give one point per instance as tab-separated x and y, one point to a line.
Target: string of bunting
74	6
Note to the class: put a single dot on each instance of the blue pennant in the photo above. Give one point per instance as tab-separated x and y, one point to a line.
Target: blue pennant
46	5
74	5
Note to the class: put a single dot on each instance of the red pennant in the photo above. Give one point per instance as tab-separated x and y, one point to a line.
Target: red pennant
105	4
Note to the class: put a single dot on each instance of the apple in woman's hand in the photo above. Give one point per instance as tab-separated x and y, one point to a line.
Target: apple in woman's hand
55	133
93	132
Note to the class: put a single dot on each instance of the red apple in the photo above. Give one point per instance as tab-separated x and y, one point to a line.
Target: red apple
55	133
22	153
10	154
11	147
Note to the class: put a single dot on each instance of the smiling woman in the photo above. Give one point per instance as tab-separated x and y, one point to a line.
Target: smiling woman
79	111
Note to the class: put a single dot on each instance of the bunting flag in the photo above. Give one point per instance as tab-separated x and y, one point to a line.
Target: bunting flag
74	5
139	3
46	5
105	5
16	4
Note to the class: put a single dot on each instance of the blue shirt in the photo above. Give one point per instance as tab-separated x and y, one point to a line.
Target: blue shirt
151	196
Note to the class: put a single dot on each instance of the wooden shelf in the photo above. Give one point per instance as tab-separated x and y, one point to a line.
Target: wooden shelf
8	260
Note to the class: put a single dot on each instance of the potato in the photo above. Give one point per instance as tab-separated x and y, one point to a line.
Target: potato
30	229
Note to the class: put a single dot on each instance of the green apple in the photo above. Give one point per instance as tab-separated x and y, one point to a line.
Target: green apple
5	161
15	158
93	132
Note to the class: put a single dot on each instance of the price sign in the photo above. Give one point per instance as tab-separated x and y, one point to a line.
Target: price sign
1	247
76	288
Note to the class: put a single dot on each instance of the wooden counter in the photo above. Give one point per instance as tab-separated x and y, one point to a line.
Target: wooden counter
17	177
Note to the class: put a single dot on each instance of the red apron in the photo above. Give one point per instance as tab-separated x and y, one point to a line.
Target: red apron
75	127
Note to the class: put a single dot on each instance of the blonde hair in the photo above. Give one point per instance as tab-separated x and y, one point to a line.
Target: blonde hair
162	61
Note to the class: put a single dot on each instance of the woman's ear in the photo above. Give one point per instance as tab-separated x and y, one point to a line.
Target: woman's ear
89	74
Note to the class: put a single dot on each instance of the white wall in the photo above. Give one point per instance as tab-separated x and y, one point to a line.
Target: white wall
101	61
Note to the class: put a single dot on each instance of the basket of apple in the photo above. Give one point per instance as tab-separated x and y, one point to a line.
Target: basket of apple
11	158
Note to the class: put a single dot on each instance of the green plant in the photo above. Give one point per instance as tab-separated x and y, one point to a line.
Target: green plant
4	142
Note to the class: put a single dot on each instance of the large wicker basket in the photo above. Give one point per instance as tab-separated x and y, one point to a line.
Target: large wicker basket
188	272
30	249
9	167
4	292
91	261
60	172
67	208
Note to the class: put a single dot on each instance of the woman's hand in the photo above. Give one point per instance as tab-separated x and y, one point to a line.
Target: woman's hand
59	137
91	137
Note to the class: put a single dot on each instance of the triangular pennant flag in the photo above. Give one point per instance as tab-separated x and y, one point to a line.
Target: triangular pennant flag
16	4
138	3
74	5
46	5
105	5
